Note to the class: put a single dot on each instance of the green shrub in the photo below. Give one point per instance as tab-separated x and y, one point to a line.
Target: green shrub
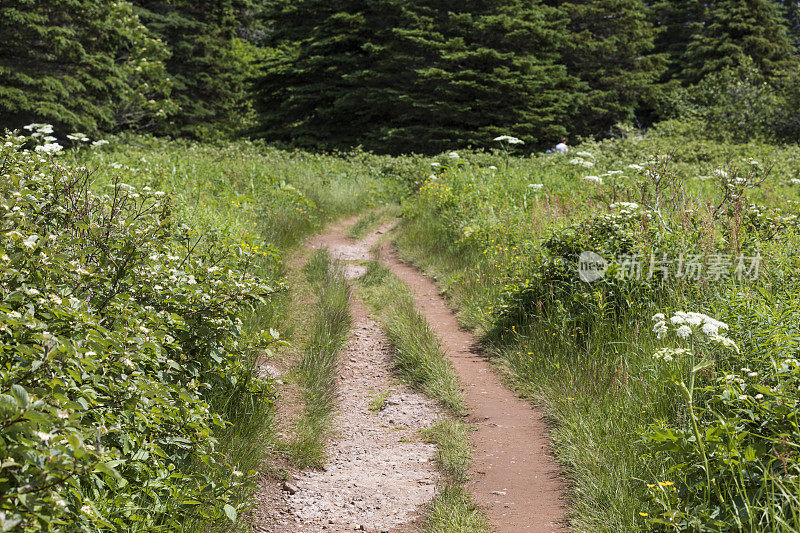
117	326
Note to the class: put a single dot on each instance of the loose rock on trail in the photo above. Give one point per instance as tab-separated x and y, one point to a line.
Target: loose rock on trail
379	474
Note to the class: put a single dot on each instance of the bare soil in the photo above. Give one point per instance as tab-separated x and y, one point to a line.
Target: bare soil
515	477
379	474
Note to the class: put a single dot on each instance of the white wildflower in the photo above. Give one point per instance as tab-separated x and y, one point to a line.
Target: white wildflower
536	186
684	331
100	142
584	154
435	164
49	148
41	129
509	139
454	155
635	167
624	205
595	179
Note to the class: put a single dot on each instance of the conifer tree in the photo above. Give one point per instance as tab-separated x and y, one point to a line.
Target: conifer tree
676	23
210	64
610	47
82	65
420	76
735	31
791	10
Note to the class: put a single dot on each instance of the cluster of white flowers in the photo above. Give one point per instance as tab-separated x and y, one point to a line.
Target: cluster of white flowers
794	181
624	205
39	130
685	323
454	155
509	139
49	148
584	154
670	354
536	186
78	137
435	164
635	167
581	162
720	173
595	179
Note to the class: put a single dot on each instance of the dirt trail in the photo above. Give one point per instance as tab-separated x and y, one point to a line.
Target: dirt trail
379	474
514	477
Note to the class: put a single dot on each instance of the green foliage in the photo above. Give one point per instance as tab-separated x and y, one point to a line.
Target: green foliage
744	430
119	326
83	65
399	77
630	423
609	46
740	104
736	31
210	65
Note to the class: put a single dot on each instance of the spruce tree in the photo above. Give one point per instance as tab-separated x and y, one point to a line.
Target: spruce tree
83	65
611	48
210	64
735	31
400	75
676	23
791	10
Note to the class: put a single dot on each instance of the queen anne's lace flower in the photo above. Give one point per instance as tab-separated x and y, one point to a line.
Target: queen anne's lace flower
509	139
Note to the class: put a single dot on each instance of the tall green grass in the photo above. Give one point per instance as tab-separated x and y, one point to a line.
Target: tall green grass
480	235
327	336
418	356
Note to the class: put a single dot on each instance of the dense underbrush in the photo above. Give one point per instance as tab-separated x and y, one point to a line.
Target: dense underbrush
140	280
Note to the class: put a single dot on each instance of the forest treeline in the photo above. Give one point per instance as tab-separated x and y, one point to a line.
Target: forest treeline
400	75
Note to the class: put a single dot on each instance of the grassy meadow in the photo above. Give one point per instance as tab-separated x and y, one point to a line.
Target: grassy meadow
672	388
671	381
165	257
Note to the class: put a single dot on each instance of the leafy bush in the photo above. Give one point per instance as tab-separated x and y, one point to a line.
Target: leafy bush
117	324
740	104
